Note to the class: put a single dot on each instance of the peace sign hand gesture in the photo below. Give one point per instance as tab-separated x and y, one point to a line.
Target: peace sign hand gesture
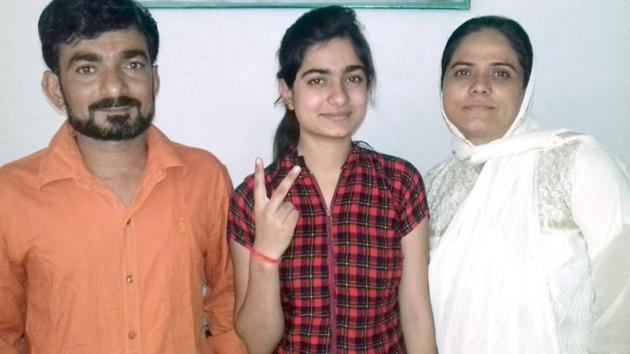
275	218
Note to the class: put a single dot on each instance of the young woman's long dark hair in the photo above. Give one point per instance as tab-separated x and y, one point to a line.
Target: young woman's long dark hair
315	27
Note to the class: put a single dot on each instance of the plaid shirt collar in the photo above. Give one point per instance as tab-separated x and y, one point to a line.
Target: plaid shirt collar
291	157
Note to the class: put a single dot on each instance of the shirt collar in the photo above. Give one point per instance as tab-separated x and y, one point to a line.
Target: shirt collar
63	159
293	158
162	152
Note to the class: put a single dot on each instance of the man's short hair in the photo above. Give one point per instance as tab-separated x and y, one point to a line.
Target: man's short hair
65	21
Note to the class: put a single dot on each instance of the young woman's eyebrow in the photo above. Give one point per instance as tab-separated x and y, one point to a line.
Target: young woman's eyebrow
315	71
352	68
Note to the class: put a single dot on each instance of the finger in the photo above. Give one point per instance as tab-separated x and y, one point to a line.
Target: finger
277	197
292	218
260	190
284	210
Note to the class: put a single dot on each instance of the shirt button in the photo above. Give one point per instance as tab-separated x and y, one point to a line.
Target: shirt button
129	279
131	335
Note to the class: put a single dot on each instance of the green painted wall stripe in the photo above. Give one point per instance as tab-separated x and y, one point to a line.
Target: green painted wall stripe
431	4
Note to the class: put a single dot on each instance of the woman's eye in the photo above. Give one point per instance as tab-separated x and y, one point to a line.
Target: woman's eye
502	74
462	73
355	79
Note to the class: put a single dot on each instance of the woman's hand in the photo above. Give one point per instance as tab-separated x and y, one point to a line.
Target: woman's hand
275	218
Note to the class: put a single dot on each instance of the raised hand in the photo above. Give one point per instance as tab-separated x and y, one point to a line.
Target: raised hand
275	218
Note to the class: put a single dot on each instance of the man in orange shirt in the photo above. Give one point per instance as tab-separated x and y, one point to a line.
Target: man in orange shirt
108	236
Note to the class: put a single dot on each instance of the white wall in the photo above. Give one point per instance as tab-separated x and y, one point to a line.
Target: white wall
218	69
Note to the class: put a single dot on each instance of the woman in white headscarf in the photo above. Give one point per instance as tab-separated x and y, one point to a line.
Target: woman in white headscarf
530	229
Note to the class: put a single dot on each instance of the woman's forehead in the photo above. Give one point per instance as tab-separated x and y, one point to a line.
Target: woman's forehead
486	44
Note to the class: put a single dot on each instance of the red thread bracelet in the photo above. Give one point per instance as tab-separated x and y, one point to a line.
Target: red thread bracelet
261	257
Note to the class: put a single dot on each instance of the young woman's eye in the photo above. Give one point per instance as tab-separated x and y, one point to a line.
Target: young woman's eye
462	73
316	81
355	79
85	69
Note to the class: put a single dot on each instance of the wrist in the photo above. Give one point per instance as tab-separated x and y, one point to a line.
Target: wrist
262	258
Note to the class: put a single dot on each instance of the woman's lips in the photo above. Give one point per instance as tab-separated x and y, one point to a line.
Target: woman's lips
478	107
336	115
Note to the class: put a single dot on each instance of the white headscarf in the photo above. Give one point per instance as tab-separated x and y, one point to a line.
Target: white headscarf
487	280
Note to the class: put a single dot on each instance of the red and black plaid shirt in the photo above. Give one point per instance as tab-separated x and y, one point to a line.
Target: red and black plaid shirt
339	277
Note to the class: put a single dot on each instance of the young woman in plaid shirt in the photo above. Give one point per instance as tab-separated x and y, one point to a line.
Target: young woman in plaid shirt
334	260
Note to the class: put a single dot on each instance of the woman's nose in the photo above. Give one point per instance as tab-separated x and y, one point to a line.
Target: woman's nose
338	95
481	85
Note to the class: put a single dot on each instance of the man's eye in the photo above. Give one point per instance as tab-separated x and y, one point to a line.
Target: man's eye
85	69
316	81
135	65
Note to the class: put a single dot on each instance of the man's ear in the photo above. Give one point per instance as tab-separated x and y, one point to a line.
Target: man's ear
156	80
52	88
286	94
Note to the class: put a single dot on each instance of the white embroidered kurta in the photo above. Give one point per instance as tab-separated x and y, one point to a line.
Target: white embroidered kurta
582	248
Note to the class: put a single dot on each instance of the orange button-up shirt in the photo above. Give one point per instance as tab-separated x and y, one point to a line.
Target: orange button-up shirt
81	273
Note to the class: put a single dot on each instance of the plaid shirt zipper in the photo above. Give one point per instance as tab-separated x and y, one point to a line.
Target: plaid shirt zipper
331	258
331	282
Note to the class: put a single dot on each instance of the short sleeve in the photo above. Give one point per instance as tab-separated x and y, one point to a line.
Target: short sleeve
241	222
412	207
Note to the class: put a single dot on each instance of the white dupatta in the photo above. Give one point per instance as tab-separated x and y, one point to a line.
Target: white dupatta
488	286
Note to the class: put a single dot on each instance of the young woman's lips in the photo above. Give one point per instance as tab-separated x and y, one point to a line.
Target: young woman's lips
336	115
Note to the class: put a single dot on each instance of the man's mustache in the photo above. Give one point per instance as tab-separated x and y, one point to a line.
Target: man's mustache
109	102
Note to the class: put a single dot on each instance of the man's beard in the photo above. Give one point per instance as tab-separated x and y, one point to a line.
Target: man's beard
120	126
